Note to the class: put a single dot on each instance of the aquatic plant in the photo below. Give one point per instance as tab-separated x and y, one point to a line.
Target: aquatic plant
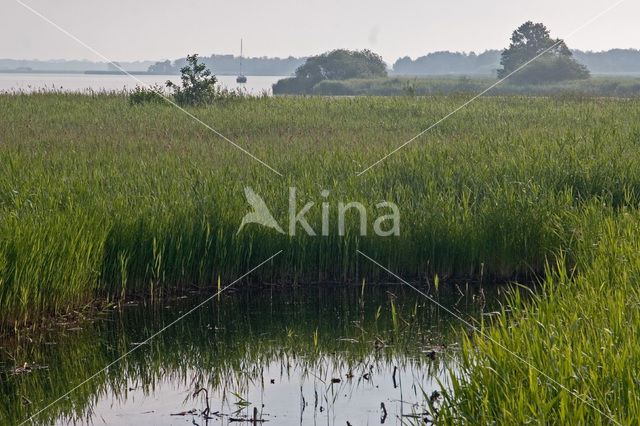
100	201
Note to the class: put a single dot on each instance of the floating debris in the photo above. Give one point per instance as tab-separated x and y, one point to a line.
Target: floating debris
26	368
185	413
21	370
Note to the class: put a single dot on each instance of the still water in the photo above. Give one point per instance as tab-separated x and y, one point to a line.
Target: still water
321	355
26	82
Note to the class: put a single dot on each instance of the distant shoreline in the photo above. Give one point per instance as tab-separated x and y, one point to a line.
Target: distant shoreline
19	71
111	73
125	73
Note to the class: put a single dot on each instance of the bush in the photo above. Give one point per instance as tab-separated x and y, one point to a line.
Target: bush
142	95
290	86
550	69
198	85
332	87
338	64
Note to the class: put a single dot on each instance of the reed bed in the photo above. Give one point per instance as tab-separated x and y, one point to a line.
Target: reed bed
421	86
102	200
580	331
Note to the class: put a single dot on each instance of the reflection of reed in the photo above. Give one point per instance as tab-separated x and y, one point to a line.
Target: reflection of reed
226	347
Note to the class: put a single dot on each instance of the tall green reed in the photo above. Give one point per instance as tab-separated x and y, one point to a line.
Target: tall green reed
100	199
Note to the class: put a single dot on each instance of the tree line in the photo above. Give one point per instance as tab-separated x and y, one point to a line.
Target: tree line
614	61
230	65
533	57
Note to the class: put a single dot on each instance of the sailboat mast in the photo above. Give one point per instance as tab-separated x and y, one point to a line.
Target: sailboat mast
241	77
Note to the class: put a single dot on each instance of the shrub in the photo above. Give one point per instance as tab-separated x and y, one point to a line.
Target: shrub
290	86
550	69
332	87
142	95
338	64
198	85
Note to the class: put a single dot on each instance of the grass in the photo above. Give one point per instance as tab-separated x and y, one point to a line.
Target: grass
101	200
580	331
412	86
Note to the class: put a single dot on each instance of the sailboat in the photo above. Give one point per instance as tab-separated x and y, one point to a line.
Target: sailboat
241	77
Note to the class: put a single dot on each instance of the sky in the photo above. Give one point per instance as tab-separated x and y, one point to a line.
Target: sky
129	30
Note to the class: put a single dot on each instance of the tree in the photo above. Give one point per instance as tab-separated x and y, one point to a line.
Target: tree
556	62
340	64
198	85
449	63
162	68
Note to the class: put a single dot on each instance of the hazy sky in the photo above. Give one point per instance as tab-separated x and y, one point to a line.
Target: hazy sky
158	29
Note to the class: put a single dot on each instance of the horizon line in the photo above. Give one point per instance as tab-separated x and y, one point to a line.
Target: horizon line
464	52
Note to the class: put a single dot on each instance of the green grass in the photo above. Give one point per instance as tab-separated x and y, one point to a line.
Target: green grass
398	86
100	199
581	332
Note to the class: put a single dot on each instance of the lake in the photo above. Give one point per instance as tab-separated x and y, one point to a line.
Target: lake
27	82
321	354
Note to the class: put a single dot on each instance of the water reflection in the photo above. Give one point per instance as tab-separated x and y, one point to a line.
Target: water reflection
322	355
25	82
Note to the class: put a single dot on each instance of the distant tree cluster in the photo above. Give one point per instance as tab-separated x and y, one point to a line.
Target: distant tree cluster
554	61
443	63
446	63
614	61
230	65
449	63
340	64
165	68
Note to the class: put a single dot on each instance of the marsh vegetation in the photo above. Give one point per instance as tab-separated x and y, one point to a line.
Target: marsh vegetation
103	201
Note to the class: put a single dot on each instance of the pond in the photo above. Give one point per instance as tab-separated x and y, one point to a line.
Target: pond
322	354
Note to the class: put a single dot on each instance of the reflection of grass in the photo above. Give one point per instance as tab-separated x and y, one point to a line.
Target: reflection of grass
224	347
102	200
